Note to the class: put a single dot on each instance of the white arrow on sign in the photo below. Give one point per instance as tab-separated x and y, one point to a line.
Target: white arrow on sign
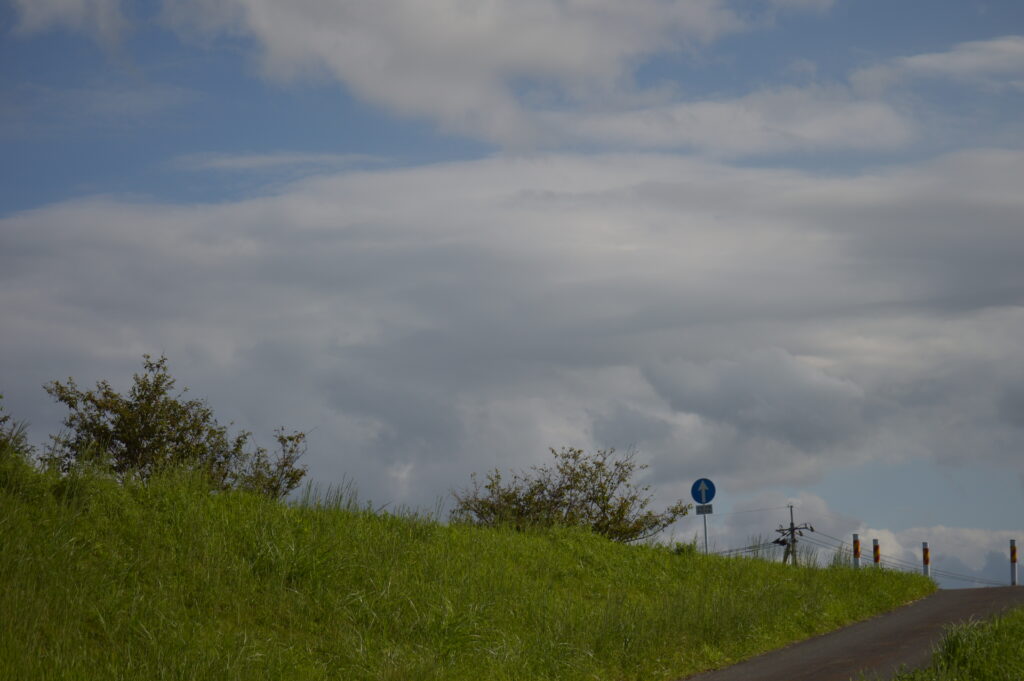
703	489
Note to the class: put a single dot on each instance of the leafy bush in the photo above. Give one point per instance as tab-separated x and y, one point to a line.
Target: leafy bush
589	490
151	429
13	437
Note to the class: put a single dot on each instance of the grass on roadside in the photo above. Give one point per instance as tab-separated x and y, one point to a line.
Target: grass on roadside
169	581
991	650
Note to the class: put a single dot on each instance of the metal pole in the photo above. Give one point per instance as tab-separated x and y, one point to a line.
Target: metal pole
926	560
856	550
792	535
1013	562
705	534
876	553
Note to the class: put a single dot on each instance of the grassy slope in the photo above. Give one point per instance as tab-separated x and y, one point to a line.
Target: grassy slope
166	581
979	651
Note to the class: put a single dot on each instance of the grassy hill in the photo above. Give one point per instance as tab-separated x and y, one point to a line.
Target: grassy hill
169	581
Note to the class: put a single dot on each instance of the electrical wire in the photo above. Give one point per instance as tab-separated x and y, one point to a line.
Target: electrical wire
846	543
885	561
753	510
752	547
908	566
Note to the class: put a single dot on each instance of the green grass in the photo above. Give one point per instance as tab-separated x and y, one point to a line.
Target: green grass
168	581
992	650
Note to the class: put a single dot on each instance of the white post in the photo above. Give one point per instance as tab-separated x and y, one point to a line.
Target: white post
926	560
876	553
1013	562
856	550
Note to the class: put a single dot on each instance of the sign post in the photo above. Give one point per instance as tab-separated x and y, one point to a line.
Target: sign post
703	491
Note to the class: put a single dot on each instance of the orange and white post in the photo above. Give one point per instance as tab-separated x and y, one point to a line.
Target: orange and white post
856	550
1013	562
926	560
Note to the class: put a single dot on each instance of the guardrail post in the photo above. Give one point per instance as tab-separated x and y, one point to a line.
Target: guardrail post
876	553
1013	562
856	550
926	560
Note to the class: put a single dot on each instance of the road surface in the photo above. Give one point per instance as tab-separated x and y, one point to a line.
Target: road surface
879	646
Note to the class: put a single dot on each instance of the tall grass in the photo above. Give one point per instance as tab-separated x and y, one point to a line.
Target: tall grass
168	581
992	650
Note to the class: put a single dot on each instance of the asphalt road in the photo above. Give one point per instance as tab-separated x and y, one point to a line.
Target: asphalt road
879	646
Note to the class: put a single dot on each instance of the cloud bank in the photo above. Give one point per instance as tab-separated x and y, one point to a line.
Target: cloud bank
757	325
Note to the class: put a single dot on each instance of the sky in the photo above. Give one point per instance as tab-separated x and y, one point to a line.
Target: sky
773	243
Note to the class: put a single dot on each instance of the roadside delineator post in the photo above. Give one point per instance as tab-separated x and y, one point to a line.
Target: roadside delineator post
876	553
856	550
1013	562
926	560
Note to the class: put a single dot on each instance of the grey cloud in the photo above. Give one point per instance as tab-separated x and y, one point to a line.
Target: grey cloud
431	322
1011	405
768	393
627	426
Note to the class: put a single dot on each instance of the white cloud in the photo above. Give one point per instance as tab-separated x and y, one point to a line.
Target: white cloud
466	65
970	546
815	5
996	63
810	118
541	73
101	18
547	74
309	162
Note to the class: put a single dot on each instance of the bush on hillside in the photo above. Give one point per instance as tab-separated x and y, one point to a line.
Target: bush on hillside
13	437
589	490
153	428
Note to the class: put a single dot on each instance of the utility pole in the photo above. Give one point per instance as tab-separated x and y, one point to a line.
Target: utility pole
789	535
791	545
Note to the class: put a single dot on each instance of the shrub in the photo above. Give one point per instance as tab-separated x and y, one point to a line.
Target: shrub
151	429
13	437
589	490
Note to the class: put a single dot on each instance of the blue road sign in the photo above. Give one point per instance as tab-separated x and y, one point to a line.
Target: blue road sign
703	491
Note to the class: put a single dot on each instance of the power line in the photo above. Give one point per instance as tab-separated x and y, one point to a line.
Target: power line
752	547
841	541
885	561
754	510
905	565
